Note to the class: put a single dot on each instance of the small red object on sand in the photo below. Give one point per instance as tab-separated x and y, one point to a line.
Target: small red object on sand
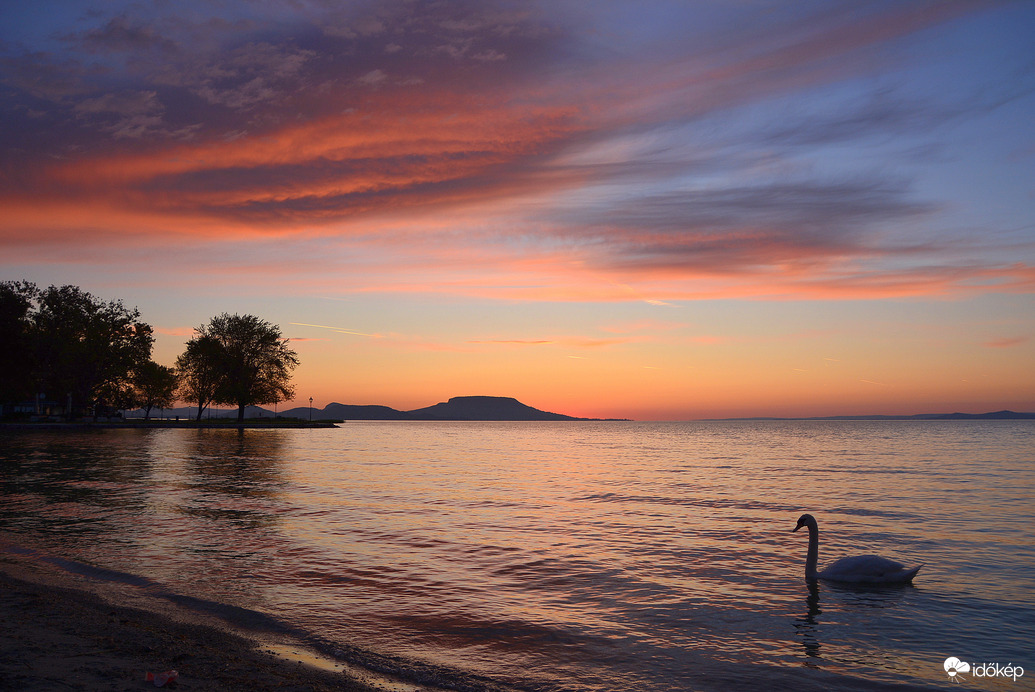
162	679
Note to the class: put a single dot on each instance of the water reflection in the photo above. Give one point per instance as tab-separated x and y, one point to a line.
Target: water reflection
133	497
239	460
234	476
834	637
70	486
216	503
595	554
807	626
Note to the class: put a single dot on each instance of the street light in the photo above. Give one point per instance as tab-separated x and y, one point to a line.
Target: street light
310	409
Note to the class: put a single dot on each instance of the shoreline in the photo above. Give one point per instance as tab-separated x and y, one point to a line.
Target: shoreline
64	630
57	636
204	425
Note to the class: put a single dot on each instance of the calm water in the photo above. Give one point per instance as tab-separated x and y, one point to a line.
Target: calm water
570	556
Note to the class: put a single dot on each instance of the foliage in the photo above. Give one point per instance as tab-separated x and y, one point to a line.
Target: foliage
74	347
16	300
252	359
200	372
89	348
154	386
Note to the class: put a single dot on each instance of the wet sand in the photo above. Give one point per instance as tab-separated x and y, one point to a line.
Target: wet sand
58	639
53	637
64	629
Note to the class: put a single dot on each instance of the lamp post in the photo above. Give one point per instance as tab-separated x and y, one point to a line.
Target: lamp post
310	409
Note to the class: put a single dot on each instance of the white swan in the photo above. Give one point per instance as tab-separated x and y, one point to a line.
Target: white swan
861	569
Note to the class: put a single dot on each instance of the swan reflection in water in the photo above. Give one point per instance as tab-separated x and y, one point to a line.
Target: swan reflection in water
808	628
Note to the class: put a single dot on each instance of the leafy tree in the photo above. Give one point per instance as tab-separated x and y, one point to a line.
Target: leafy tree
16	300
87	349
252	359
200	371
155	386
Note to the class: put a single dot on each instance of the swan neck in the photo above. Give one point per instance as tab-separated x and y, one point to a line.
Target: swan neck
813	555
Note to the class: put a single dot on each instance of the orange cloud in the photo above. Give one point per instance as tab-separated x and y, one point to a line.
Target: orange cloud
393	153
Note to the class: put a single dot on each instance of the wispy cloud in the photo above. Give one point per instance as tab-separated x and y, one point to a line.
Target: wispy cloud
513	342
566	341
472	148
1007	342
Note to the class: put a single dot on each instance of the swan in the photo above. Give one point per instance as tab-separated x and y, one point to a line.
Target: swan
861	569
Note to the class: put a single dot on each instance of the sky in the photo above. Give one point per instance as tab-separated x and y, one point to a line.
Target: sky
651	210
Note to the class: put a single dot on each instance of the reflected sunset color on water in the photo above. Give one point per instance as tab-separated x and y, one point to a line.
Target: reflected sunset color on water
563	556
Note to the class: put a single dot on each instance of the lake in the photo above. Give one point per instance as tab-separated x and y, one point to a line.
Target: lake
583	556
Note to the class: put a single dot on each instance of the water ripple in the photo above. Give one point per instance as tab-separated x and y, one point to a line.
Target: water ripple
583	557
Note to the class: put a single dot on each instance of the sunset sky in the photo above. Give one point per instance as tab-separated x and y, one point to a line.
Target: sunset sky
653	210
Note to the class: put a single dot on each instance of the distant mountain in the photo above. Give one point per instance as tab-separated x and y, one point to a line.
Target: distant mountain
487	408
994	415
338	411
471	408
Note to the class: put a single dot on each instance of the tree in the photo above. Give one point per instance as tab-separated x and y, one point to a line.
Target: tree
200	371
87	349
155	386
252	360
16	300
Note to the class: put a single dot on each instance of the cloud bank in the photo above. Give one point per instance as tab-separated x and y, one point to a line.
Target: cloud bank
508	150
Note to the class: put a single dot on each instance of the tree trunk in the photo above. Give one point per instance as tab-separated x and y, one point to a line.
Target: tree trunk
240	413
200	410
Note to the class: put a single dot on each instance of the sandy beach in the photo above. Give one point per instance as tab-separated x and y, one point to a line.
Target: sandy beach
55	636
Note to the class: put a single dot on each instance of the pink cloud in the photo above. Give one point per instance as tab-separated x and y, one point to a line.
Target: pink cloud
1007	342
176	331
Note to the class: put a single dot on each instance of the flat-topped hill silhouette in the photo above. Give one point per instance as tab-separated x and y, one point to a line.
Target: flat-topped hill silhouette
471	408
459	408
489	408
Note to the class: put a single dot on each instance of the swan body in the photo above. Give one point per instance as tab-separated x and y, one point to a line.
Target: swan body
861	569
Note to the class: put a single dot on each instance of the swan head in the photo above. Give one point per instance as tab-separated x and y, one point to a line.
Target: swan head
805	520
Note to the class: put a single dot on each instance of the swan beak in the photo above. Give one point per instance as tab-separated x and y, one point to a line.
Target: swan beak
796	528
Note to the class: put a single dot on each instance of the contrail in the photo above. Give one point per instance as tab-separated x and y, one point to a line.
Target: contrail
336	329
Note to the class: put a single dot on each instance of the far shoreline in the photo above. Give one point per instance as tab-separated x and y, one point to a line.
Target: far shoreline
223	424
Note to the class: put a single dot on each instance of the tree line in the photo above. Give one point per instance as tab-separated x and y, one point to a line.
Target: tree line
64	345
